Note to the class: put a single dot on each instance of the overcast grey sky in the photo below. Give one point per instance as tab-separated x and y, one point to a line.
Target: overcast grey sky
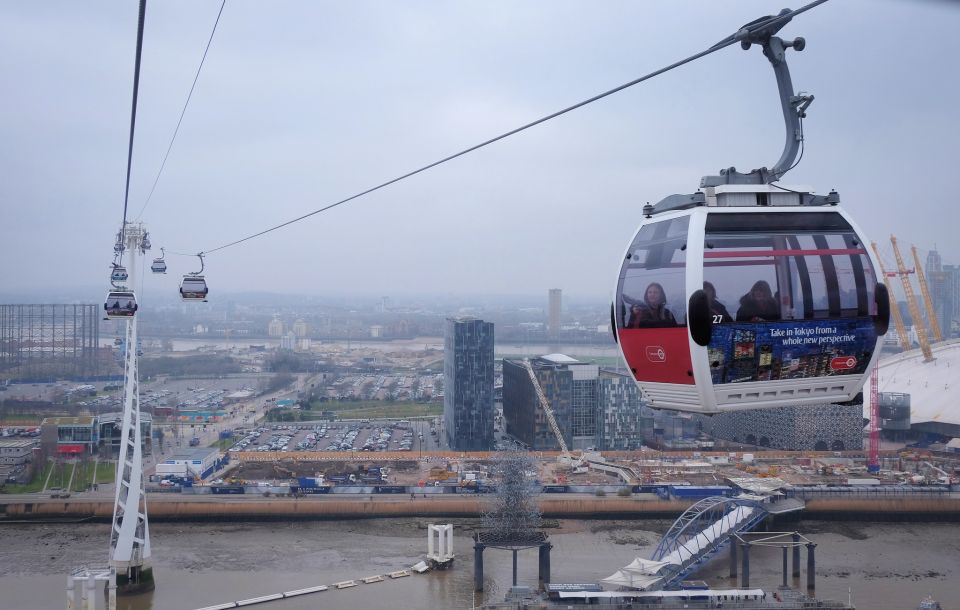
303	103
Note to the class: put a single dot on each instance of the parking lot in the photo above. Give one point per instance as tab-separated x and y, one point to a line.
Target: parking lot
363	435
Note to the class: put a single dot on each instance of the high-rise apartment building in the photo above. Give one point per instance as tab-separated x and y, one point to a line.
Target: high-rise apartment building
944	282
592	408
522	413
468	411
553	314
275	328
300	329
622	423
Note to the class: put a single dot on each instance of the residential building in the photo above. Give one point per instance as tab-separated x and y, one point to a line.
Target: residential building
275	328
553	313
468	413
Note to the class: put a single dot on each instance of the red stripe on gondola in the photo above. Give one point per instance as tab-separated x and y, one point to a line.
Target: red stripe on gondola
753	253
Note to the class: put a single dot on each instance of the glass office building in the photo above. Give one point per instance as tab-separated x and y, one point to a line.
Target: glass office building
468	411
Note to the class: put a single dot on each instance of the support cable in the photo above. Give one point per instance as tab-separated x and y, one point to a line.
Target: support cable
742	34
182	112
133	119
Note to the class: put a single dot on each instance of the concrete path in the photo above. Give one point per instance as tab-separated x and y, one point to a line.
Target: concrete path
47	481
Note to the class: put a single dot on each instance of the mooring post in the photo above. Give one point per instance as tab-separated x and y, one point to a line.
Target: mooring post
784	566
91	596
745	577
796	555
83	594
515	551
811	567
71	597
733	559
112	590
545	564
478	567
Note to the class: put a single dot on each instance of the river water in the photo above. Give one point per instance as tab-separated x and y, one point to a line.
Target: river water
397	345
884	565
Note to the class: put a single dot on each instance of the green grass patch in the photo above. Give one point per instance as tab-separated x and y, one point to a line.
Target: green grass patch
60	476
34	485
223	444
386	410
106	472
83	476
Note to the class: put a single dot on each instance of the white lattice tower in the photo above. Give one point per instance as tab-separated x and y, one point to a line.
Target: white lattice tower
130	536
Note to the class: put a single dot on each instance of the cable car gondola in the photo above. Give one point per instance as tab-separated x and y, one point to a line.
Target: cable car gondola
747	294
159	264
193	287
119	274
120	304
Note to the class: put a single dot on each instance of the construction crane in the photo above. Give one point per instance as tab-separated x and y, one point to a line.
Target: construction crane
912	304
927	301
894	308
565	455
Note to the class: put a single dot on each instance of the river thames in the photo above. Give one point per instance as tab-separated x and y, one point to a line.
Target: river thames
881	565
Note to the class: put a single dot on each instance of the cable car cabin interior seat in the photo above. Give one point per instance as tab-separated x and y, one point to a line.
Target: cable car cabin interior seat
120	304
749	296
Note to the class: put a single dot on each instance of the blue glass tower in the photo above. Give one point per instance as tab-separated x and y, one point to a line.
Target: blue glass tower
468	384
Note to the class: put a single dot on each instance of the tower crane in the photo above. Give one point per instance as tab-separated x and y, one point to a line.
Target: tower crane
927	301
894	309
912	304
565	455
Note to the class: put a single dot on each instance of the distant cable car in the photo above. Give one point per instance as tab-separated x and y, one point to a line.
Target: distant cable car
749	295
159	264
193	287
119	274
120	304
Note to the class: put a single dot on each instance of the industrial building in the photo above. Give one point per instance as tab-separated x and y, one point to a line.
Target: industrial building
826	427
199	462
16	451
45	342
468	378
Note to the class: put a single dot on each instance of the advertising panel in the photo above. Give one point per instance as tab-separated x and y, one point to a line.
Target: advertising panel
797	349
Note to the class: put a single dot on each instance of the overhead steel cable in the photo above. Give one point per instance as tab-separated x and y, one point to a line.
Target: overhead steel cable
133	120
184	111
758	26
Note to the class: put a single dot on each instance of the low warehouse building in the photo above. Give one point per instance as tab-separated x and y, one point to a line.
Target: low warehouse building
199	462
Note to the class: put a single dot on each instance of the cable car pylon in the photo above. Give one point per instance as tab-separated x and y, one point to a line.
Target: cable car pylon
130	534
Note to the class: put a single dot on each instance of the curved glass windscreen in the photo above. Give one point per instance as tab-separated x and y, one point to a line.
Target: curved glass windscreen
652	293
791	295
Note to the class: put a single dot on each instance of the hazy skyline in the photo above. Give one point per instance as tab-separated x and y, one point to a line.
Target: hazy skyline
301	104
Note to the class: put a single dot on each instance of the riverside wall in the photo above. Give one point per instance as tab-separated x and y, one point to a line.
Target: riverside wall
259	508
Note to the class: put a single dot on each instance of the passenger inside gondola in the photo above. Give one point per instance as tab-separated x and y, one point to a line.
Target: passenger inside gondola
718	310
652	310
758	305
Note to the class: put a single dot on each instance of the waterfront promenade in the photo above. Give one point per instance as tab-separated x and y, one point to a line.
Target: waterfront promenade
205	507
